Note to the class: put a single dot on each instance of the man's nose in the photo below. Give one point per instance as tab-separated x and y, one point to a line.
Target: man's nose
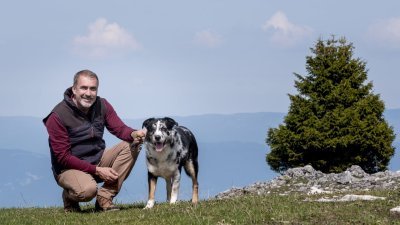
89	93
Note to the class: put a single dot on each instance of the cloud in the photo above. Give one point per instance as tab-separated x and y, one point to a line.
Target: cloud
208	39
29	179
284	32
104	39
387	32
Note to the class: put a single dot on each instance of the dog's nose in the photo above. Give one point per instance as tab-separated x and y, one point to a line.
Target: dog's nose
157	137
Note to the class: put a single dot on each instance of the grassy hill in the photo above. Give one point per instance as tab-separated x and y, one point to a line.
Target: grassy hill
268	209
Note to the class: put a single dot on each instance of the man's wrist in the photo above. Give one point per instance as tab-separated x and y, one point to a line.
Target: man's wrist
96	171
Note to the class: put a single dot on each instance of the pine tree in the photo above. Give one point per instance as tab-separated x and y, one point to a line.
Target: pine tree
335	121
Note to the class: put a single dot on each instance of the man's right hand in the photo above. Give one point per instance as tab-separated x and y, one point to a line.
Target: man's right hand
107	174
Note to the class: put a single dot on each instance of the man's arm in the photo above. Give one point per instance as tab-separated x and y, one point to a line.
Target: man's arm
61	146
115	125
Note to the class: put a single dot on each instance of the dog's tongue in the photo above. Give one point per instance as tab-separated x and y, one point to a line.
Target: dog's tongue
159	146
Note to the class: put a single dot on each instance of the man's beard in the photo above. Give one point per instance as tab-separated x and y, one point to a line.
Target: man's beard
86	102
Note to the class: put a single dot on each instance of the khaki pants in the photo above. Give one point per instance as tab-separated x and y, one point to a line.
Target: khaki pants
82	187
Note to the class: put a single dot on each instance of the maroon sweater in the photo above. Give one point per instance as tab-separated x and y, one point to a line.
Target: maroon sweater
60	144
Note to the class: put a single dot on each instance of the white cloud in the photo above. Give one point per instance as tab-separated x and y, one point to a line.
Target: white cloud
29	179
387	32
284	32
207	38
104	39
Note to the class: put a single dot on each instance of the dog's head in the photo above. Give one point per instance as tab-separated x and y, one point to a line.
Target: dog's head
159	132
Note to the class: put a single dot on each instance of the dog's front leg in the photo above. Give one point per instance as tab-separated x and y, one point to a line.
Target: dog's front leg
152	182
168	185
175	186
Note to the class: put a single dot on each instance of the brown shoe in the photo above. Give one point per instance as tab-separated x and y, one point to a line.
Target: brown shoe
69	204
105	205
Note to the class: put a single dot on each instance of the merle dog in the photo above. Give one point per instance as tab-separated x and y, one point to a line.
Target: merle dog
169	147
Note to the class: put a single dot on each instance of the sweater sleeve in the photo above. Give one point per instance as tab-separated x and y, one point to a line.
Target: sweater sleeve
115	125
61	146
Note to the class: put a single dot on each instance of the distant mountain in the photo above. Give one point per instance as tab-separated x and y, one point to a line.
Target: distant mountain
26	180
232	153
393	118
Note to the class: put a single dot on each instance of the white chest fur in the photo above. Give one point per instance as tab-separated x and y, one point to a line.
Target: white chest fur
163	163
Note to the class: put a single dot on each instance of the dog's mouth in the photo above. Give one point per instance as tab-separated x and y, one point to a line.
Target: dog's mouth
159	146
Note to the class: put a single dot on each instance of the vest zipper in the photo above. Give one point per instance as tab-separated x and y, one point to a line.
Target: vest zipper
92	131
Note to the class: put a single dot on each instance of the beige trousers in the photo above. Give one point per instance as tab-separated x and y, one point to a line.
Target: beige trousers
82	187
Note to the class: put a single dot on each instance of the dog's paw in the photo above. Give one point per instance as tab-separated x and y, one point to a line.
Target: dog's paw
150	204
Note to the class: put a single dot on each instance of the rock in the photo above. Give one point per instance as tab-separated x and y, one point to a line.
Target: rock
309	181
315	190
344	178
347	198
395	211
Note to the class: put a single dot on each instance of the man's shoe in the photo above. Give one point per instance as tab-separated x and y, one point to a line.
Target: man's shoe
105	205
69	204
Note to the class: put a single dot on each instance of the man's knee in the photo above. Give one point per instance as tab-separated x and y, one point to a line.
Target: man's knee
128	151
80	186
86	193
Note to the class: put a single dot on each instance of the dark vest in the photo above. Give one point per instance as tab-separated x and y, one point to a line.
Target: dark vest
85	131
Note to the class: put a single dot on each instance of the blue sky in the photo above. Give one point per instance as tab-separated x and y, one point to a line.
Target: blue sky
180	57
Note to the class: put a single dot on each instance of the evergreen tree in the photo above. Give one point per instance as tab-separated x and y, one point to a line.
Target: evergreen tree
335	121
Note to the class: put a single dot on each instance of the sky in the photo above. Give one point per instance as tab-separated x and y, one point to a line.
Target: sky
185	57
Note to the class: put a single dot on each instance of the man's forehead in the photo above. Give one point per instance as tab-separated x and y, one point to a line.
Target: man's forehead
86	81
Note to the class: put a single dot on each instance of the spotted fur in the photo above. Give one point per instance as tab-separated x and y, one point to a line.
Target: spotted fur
169	147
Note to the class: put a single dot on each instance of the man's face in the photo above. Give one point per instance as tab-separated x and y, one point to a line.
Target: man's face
85	92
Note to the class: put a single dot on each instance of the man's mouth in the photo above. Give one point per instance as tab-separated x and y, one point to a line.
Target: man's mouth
88	99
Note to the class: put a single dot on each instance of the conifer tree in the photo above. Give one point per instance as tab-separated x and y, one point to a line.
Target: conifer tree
335	120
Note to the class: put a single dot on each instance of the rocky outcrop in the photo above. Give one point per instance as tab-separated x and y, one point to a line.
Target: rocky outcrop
310	181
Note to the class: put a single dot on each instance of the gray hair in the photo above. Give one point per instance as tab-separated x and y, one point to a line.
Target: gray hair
86	73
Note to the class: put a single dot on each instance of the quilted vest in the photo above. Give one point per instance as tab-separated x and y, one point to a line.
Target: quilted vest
85	131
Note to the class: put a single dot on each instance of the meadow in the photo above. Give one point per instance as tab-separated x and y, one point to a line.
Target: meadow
268	209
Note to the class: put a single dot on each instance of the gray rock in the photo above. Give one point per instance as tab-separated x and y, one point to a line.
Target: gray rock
307	180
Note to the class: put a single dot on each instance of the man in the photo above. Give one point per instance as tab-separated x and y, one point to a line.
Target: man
78	155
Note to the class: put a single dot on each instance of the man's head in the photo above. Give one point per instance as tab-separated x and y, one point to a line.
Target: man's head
84	89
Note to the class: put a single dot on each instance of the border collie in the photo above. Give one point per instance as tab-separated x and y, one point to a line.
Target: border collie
169	147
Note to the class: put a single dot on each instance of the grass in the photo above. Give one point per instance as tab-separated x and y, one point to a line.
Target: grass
269	209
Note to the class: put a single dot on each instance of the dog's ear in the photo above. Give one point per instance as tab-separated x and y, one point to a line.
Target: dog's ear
146	124
170	122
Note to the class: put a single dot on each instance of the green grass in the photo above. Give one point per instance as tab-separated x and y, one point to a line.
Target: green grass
269	209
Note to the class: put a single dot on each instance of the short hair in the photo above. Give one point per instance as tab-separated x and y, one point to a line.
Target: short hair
86	73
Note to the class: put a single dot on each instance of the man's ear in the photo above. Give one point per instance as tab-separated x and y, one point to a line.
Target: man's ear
170	122
73	90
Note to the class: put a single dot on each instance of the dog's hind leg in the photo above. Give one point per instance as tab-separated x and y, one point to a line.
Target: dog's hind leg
191	169
152	182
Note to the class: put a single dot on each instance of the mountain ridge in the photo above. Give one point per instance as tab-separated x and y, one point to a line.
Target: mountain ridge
232	154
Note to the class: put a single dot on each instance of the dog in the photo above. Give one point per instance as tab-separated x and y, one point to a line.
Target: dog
169	147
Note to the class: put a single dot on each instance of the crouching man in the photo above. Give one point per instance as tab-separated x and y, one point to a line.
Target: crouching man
78	155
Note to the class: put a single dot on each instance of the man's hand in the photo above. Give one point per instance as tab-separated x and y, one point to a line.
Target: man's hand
107	174
138	136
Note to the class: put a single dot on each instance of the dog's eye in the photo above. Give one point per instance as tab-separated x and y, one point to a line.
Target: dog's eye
163	129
